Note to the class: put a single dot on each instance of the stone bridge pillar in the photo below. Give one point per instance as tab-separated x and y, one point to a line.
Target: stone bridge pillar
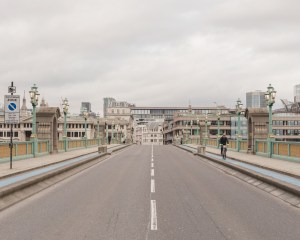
258	120
47	123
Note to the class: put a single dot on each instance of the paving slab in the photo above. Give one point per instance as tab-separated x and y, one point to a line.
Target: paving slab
41	161
284	166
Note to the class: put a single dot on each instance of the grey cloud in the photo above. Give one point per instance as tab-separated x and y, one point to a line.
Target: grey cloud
149	53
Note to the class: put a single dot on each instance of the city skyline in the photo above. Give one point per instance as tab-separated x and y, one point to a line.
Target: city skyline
158	53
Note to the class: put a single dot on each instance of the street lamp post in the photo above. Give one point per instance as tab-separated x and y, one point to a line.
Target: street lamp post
112	132
198	134
34	98
218	136
85	115
186	134
191	132
239	107
65	110
270	99
106	132
117	130
98	129
206	135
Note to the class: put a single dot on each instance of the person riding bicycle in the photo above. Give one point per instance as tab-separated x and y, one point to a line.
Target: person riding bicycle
223	141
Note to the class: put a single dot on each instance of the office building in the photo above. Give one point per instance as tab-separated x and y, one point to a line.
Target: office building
255	99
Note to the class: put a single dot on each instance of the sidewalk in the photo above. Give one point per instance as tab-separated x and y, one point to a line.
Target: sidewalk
284	166
30	163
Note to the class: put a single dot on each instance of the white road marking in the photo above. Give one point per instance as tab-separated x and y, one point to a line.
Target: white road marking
152	186
152	172
152	165
153	215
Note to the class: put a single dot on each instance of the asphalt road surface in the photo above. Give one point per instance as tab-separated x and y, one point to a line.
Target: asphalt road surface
155	193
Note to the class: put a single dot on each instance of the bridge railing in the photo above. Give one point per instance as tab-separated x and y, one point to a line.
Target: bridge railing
280	149
22	150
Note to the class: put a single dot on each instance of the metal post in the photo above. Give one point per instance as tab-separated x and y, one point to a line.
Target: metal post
218	137
270	132
117	133
270	98
239	106
65	110
11	133
238	131
106	132
85	137
34	101
65	131
206	134
98	130
112	133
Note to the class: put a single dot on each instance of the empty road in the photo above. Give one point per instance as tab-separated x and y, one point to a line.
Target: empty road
154	193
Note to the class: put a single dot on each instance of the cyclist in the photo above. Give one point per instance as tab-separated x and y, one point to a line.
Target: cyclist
223	141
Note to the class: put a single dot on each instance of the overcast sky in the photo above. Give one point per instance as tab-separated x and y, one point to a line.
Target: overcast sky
151	53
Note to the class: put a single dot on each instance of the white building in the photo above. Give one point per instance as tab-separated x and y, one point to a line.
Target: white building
149	132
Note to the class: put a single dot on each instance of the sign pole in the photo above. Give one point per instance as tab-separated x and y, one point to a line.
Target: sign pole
12	114
11	132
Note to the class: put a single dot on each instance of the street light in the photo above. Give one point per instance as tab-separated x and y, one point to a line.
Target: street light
239	109
34	98
112	132
186	133
85	115
206	135
218	136
98	128
198	127
117	129
191	131
270	99
65	110
106	132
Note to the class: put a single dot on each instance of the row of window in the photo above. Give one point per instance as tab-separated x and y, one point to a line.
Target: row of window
73	125
25	125
7	134
286	132
75	134
286	123
152	140
118	111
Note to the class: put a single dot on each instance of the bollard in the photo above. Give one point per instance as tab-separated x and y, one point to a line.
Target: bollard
201	149
102	149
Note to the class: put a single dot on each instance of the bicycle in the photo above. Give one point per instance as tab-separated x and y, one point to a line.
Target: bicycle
224	150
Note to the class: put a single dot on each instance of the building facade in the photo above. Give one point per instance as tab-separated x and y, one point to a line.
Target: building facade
256	99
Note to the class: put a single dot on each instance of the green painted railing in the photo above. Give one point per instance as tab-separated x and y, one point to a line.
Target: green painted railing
22	150
279	149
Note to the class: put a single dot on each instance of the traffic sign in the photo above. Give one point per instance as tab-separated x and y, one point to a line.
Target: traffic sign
11	89
12	109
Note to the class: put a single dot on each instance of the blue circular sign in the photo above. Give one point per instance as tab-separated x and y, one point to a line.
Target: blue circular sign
12	106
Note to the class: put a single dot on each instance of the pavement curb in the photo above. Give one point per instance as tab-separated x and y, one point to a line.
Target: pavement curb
34	180
274	182
42	166
5	191
261	166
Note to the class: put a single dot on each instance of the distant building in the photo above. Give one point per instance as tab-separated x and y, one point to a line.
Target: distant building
256	99
297	93
107	101
149	132
87	106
